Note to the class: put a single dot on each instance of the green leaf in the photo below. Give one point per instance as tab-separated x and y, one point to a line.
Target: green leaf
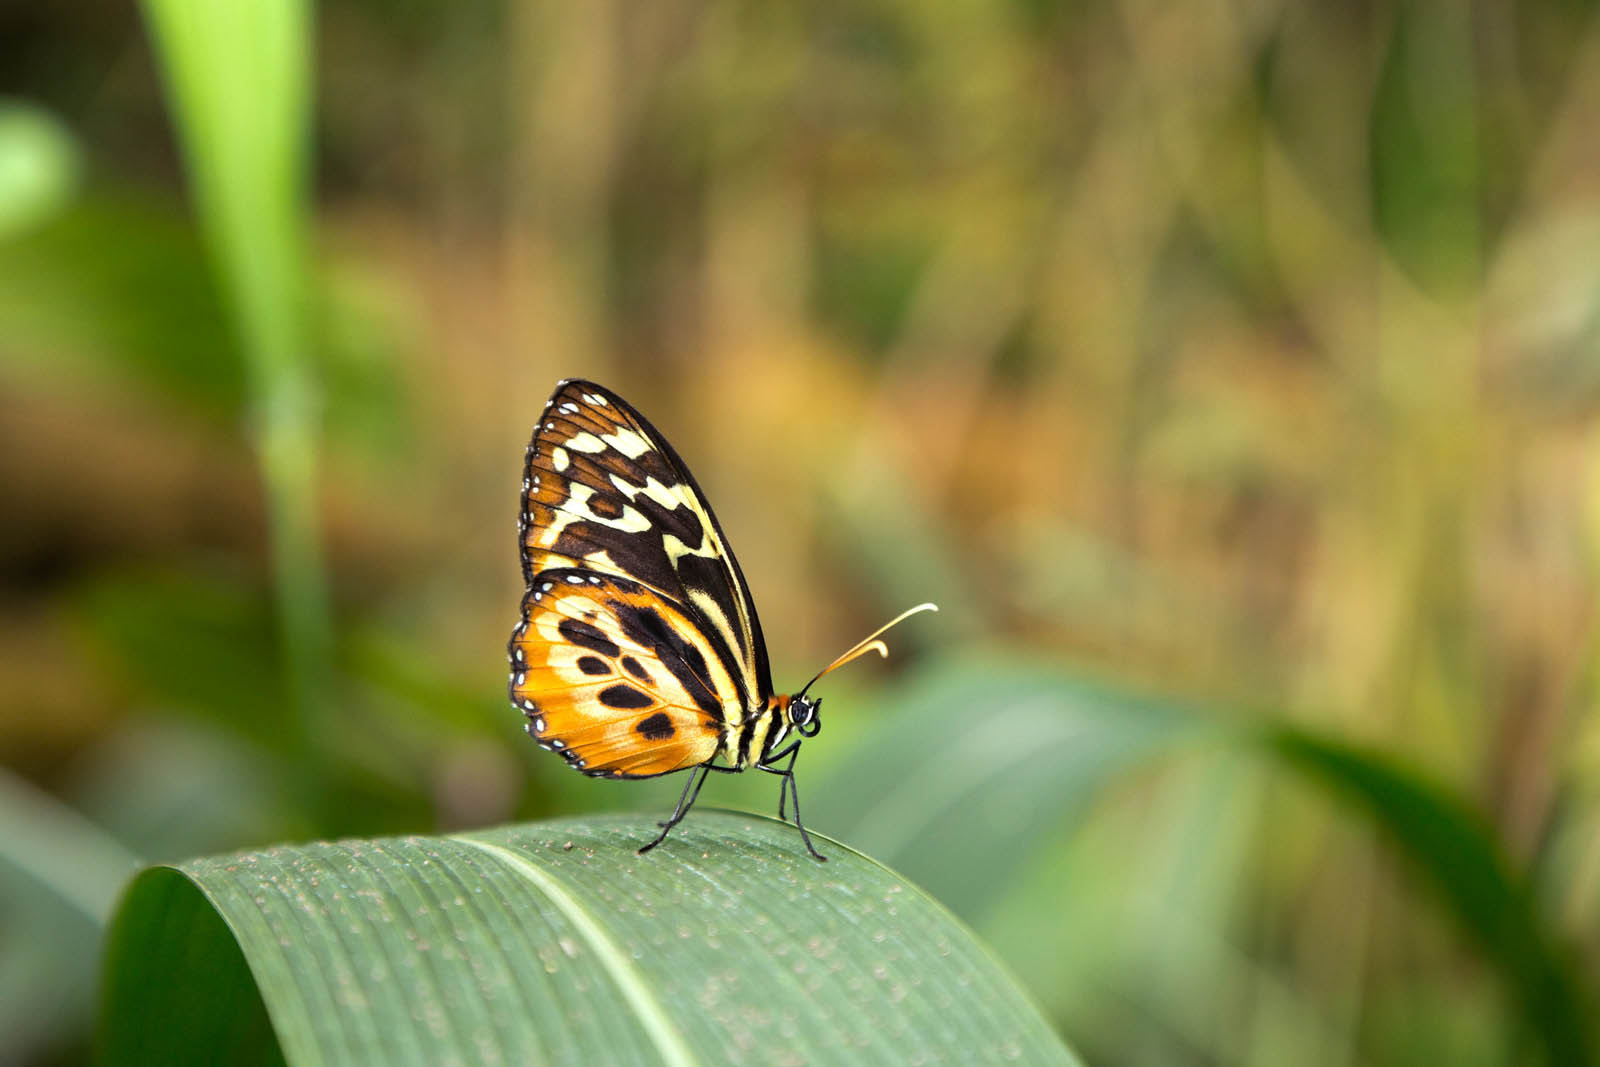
1460	856
238	77
1426	161
59	876
979	762
555	941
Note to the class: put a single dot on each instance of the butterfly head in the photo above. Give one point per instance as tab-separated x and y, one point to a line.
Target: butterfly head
805	715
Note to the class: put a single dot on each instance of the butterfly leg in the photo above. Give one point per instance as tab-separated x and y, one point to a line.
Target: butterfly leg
794	794
787	774
689	783
685	802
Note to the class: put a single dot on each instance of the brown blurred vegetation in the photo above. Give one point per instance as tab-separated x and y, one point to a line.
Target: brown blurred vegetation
1247	354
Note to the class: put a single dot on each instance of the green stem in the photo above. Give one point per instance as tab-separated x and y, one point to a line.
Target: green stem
238	78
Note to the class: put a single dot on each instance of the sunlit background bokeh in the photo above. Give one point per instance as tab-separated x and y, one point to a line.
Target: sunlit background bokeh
1215	368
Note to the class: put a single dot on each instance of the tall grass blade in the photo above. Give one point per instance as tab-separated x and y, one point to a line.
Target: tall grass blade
238	78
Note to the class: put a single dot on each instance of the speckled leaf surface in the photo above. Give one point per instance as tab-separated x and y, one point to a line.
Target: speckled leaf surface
555	942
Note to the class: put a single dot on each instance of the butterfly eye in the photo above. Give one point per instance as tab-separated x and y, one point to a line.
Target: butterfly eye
803	714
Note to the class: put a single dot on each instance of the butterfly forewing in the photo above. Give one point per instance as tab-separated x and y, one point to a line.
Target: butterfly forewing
605	492
617	677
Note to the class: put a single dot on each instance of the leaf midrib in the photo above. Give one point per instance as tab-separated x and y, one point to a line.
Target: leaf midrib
669	1041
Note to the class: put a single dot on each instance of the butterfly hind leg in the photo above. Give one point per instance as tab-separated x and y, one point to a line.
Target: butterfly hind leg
691	793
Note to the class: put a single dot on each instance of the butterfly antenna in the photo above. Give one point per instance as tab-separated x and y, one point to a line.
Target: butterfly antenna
870	643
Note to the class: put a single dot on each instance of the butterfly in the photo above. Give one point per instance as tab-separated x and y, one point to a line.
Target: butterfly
639	652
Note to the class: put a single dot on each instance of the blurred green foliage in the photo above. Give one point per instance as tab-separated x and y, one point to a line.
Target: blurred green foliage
1238	359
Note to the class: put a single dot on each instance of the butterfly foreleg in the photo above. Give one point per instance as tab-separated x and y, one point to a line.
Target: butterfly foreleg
787	774
793	790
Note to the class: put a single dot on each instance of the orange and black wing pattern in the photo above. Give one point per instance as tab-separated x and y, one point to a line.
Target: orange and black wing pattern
616	677
604	491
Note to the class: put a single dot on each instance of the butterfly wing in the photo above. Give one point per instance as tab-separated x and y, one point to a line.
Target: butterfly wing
604	491
617	678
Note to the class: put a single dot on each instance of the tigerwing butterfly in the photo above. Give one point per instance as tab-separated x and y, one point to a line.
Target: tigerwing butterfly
639	652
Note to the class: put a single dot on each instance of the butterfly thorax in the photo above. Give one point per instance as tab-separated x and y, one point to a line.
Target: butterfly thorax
746	742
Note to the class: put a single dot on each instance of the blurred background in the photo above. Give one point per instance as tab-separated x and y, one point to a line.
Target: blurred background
1227	373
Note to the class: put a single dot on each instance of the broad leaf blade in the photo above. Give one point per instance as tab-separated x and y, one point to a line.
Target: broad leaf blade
977	763
557	942
177	986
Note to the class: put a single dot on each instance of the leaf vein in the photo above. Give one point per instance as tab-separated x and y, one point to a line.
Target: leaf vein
652	1015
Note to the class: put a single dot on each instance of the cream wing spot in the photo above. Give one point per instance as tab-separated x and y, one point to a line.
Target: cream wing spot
586	442
676	549
601	560
550	533
628	442
653	489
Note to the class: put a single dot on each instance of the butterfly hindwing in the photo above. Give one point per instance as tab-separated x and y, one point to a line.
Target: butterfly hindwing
604	491
617	677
